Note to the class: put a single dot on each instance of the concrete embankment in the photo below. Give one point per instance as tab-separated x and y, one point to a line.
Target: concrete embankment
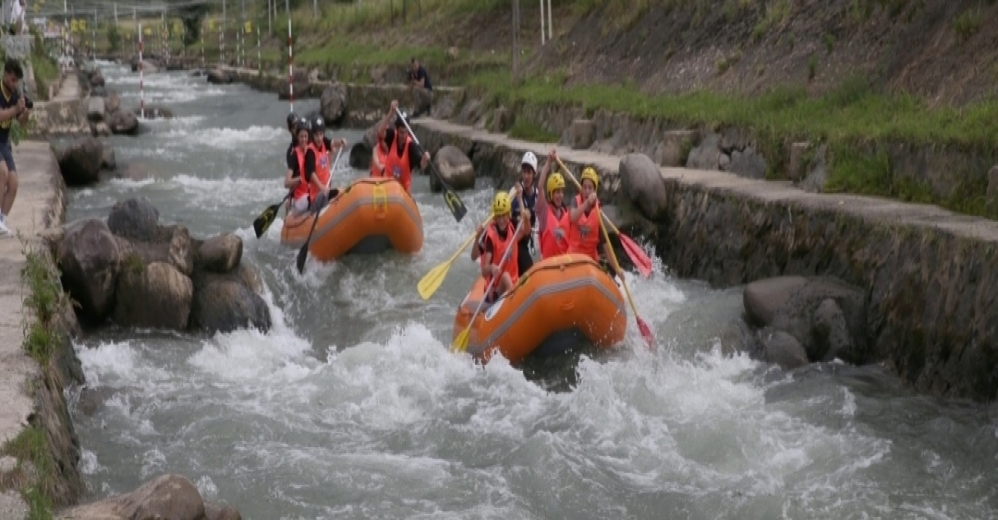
35	427
929	274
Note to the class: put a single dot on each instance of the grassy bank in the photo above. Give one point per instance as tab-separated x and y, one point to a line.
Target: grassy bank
36	476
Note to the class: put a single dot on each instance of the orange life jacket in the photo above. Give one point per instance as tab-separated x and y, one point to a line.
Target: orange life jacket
583	236
554	240
301	189
499	247
322	168
381	156
398	166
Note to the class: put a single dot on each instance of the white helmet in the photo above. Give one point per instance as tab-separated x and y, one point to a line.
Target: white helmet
529	159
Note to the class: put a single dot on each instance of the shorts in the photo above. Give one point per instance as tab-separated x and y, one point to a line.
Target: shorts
8	156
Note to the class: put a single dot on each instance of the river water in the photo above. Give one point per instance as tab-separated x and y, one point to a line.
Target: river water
352	406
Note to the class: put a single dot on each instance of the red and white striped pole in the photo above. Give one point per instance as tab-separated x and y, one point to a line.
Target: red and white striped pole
142	91
291	61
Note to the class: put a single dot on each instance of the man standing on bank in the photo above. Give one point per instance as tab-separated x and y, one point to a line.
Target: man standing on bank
421	88
12	106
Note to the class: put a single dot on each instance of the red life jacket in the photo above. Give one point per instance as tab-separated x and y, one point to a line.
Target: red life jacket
301	189
554	240
398	166
381	156
499	247
583	236
322	168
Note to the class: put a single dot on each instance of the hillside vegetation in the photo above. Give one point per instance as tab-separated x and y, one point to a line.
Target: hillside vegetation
859	75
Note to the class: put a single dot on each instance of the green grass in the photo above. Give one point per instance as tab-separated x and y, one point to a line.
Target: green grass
531	132
31	446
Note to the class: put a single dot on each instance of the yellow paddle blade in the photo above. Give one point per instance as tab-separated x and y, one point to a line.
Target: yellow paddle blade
460	343
433	279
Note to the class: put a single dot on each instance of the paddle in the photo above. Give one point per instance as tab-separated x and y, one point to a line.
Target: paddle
637	255
646	332
460	343
303	252
433	279
263	222
450	196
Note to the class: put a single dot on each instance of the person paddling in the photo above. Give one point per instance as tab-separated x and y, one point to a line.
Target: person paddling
319	161
584	236
403	155
298	176
496	239
384	135
555	220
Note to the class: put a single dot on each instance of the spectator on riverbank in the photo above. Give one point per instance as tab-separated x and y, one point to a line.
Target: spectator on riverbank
12	106
421	88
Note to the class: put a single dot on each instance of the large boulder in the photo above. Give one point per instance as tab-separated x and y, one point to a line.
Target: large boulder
169	244
224	302
123	122
134	218
643	184
166	497
825	315
95	109
220	254
218	77
80	162
155	296
455	168
333	104
90	261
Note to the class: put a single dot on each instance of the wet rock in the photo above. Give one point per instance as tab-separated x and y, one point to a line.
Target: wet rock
95	109
784	350
155	296
456	169
80	162
223	303
123	122
166	497
134	218
220	254
90	261
218	77
643	185
108	161
333	103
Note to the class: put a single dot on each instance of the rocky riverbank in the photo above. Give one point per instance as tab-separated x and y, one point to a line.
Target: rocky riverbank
39	450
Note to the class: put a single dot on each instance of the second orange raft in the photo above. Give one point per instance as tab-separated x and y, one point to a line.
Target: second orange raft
369	216
567	294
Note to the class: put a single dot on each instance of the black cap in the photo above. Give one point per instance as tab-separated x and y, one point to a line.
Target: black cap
292	119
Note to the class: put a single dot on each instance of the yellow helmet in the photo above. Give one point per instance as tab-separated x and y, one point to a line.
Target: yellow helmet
590	173
555	182
501	205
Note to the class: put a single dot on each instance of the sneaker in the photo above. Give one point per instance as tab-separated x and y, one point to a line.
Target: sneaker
4	230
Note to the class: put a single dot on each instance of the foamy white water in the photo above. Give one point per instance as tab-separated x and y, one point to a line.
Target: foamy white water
352	406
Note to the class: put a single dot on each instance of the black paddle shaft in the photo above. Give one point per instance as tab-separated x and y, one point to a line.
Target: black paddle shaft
453	201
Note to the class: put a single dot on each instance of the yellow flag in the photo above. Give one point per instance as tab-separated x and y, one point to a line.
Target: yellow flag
74	25
211	25
249	27
83	25
147	31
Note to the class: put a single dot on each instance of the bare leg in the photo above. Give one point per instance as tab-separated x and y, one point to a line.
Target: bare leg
9	182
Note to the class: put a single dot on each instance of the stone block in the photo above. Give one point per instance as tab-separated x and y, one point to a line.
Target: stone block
676	146
797	166
583	134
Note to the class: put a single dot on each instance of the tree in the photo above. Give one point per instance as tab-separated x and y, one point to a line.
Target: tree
192	15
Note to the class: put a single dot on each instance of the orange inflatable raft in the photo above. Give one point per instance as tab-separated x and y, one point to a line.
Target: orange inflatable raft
369	216
560	303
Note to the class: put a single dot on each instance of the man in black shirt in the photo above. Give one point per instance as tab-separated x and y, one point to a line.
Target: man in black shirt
12	106
421	88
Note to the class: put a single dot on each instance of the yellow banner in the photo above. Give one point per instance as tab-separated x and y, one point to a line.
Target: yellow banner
74	25
249	27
